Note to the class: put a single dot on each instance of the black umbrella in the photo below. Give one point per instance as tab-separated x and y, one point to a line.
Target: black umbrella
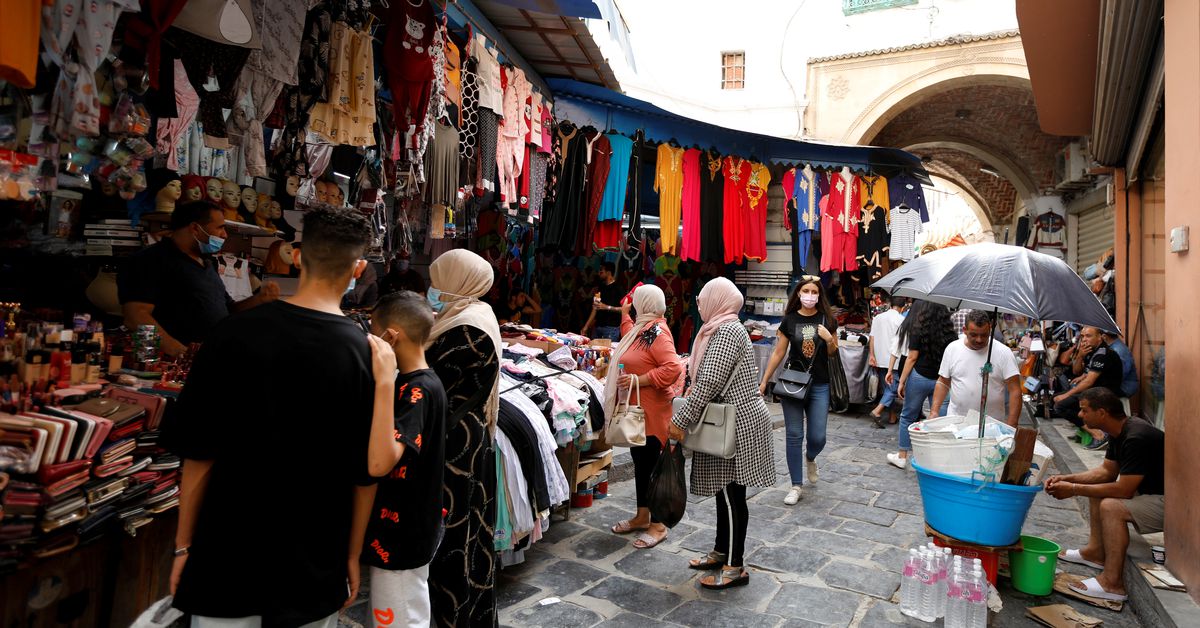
1000	278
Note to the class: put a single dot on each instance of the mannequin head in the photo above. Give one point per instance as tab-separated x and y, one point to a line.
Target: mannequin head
193	188
231	194
250	199
166	187
276	210
337	197
263	215
212	188
322	192
291	185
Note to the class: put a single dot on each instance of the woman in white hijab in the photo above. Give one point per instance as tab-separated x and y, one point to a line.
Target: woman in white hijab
464	351
647	351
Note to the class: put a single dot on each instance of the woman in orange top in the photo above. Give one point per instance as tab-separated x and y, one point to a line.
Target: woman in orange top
647	351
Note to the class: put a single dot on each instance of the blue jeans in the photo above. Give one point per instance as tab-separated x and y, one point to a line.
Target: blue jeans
612	333
814	408
889	392
916	391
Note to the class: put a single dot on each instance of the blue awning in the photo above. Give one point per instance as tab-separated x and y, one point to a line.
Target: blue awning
586	104
569	8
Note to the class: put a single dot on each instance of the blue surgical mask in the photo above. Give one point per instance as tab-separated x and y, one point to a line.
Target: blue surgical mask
433	295
213	245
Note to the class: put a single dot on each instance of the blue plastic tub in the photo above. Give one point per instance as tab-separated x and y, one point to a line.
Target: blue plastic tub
974	511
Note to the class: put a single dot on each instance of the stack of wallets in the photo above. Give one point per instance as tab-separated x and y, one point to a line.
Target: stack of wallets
112	236
75	473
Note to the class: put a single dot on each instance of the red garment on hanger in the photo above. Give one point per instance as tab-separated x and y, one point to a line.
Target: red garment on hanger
737	175
690	249
597	178
408	62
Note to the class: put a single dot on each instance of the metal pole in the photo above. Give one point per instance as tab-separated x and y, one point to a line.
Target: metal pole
986	372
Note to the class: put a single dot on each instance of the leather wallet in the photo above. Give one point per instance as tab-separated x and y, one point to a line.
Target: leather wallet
65	447
136	493
153	404
84	428
113	468
117	412
50	524
160	496
53	473
119	449
131	511
22	432
163	506
128	430
55	544
165	462
64	507
103	491
137	467
68	483
96	523
132	524
97	432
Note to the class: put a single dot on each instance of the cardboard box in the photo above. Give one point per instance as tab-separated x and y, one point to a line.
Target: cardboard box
548	347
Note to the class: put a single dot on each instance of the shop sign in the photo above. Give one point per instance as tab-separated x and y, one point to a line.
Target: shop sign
851	7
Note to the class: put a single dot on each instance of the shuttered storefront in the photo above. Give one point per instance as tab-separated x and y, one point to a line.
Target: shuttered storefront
1095	236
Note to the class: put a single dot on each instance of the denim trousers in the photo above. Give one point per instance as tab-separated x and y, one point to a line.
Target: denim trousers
814	411
888	397
916	391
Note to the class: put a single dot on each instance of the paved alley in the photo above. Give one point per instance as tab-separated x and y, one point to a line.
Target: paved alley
833	559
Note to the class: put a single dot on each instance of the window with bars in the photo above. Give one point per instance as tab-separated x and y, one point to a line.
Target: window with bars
733	70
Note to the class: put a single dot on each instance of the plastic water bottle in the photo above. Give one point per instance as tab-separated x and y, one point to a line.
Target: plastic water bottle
910	585
976	601
956	605
927	610
943	578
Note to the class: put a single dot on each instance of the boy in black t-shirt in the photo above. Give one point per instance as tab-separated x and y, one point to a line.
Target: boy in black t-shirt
406	520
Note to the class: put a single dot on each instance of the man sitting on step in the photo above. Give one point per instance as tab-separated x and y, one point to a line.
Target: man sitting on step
1127	488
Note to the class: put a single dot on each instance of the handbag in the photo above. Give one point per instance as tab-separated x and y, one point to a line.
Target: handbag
715	433
793	383
627	428
839	388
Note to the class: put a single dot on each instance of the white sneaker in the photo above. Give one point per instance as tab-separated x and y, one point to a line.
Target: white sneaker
898	461
811	469
793	496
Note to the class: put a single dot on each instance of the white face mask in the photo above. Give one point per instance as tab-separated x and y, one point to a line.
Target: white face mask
808	300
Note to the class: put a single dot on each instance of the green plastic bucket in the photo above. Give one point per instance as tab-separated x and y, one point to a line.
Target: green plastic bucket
1033	568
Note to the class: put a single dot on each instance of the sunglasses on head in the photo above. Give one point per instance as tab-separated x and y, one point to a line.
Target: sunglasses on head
810	278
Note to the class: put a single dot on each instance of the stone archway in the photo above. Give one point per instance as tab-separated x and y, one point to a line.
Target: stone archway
964	105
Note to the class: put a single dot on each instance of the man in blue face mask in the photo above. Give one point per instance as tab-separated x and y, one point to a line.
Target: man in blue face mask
174	284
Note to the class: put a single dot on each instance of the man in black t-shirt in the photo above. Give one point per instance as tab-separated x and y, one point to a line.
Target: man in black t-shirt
407	518
606	307
1096	366
1127	488
273	425
174	284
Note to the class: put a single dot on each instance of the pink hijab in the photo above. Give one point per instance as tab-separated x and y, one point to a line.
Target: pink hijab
720	302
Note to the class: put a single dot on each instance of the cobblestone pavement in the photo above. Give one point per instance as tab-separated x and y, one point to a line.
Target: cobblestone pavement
833	559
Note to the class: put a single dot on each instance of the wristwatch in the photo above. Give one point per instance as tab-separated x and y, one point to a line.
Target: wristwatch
182	551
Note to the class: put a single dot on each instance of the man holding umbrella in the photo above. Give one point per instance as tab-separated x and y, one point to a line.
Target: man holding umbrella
960	373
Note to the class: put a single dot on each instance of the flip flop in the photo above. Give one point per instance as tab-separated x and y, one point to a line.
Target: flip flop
1091	588
623	527
1073	556
645	541
726	578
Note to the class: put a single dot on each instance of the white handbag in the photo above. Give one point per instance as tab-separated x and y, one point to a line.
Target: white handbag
716	431
627	427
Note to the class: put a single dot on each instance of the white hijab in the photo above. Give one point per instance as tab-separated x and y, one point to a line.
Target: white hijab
651	304
463	277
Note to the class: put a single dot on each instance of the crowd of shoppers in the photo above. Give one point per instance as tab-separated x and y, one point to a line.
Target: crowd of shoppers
408	476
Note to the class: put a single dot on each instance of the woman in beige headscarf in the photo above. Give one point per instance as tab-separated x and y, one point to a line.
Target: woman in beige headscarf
647	351
464	351
723	369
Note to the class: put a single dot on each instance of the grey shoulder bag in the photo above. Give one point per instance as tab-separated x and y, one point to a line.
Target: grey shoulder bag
715	433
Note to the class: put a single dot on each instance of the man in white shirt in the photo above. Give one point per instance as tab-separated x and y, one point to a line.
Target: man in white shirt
960	373
883	332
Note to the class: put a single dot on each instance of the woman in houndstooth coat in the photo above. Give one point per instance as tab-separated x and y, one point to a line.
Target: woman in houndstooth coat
722	354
